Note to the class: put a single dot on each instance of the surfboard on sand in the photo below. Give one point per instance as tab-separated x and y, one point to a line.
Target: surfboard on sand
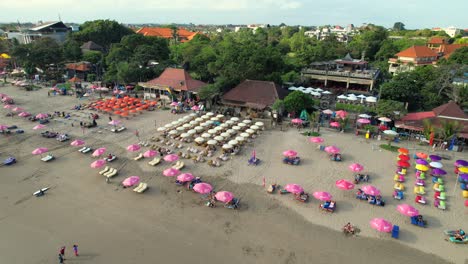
39	191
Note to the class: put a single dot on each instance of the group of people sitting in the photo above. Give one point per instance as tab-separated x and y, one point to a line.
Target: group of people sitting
335	157
361	178
61	114
375	200
459	235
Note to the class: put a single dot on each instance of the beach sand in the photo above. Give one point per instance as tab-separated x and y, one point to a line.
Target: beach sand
168	224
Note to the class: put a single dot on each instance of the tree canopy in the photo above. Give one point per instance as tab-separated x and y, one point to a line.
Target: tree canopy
297	101
102	32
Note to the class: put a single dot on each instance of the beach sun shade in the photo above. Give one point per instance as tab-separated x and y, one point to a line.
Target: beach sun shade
130	181
438	172
77	142
98	152
363	121
202	188
98	163
461	163
224	196
322	196
344	184
171	157
422	162
150	153
171	172
421	155
463	169
9	106
436	164
294	188
18	109
403	157
390	132
316	140
39	151
408	210
403	151
356	167
435	157
381	225
370	190
296	121
404	164
290	153
212	142
332	150
133	147
335	124
185	177
364	116
114	122
41	116
422	167
40	126
341	113
327	112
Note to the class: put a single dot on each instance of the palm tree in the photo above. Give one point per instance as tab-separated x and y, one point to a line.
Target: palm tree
313	119
428	128
343	123
449	129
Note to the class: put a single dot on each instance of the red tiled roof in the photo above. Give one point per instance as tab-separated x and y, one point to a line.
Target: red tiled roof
450	48
75	79
418	116
450	110
182	33
437	40
254	94
177	79
417	52
78	66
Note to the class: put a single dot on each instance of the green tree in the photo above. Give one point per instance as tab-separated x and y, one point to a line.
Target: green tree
428	128
71	50
398	26
459	56
449	129
296	101
388	107
368	42
102	32
92	56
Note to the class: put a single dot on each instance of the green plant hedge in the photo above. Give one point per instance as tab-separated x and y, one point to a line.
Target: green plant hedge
311	134
389	147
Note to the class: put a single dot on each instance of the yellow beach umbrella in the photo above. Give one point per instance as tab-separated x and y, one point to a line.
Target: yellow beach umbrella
463	169
421	167
5	56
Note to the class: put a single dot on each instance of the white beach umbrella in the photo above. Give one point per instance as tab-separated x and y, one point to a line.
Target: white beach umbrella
161	129
250	131
219	138
212	142
351	95
236	127
240	139
292	88
205	124
301	88
233	142
361	96
173	132
247	121
327	92
206	117
245	135
214	119
181	129
210	114
260	124
185	135
199	128
224	125
254	127
193	122
218	128
342	96
193	115
318	90
211	131
351	98
231	131
385	119
242	124
206	135
186	126
365	116
220	116
168	125
175	123
371	99
191	132
199	140
229	122
390	132
199	119
225	135
227	146
235	119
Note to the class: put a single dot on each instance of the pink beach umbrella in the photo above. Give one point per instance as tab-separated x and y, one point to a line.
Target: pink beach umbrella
356	167
344	184
174	104
296	121
202	188
6	98
130	181
98	163
224	196
3	127
195	108
114	122
98	152
290	153
335	124
381	225
41	116
77	143
294	188
133	147
332	149
39	151
24	114
408	210
185	177
171	172
363	121
341	113
370	190
18	109
171	157
150	153
9	106
40	126
316	139
322	196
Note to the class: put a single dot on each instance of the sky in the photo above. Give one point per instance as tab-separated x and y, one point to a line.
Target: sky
413	13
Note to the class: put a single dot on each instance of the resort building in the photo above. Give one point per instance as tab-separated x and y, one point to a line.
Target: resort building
91	46
78	69
54	30
172	82
182	34
345	74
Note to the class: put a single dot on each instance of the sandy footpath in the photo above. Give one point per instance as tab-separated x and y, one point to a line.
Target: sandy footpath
163	225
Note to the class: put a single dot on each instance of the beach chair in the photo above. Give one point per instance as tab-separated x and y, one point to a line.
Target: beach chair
111	173
396	231
399	186
420	199
86	150
48	158
417	220
139	157
81	149
106	169
142	187
398	195
9	161
155	161
179	165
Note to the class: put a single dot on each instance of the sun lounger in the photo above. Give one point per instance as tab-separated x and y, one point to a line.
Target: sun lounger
106	169
47	158
120	129
141	187
86	150
179	165
155	161
139	157
111	173
81	149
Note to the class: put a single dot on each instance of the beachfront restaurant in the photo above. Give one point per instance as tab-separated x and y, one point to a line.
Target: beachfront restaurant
172	83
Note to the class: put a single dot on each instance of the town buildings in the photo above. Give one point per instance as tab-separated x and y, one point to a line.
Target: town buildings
54	30
181	34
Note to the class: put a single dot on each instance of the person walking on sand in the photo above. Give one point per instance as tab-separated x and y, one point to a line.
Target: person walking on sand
61	259
62	251
75	248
